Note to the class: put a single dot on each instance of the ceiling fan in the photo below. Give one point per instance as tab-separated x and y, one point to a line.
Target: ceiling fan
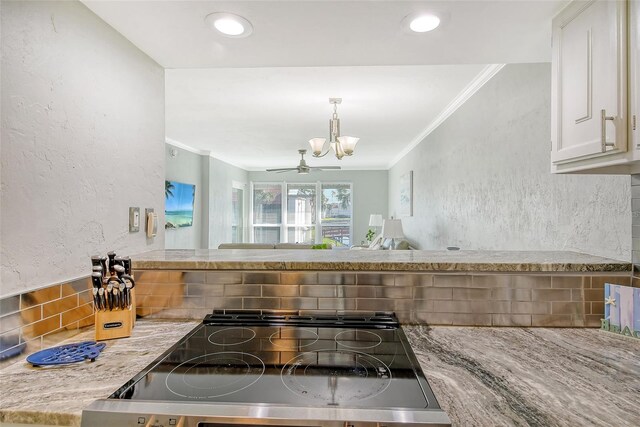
303	168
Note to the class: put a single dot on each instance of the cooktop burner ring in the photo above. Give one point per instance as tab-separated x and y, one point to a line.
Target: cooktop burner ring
172	380
231	331
314	336
364	345
351	390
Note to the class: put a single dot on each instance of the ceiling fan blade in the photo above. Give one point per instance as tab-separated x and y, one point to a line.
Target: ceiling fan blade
303	167
282	170
319	168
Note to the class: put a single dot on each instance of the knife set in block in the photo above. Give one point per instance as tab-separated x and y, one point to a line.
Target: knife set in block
114	297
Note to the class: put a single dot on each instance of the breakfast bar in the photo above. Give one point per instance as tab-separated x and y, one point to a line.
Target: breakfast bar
465	288
440	298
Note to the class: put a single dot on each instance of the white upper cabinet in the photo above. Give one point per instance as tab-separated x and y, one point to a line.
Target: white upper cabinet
589	86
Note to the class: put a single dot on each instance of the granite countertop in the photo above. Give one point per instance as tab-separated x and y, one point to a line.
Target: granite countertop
56	395
365	260
531	376
481	376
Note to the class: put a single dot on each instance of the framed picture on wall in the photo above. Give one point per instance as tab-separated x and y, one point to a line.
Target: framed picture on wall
406	194
178	208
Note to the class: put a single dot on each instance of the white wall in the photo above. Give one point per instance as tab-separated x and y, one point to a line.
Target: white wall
82	140
369	192
221	178
482	180
185	167
214	180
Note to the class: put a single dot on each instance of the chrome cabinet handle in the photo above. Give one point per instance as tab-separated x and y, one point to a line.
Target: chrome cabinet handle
603	128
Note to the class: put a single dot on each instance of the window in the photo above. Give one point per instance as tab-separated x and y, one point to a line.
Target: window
267	213
336	214
237	215
294	218
301	213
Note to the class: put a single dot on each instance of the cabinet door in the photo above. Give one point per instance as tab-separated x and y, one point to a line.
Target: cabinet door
589	78
634	77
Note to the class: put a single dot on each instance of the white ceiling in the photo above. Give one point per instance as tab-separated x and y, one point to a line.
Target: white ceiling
332	33
254	101
259	117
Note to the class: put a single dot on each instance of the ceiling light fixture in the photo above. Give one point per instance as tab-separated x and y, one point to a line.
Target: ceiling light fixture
229	25
424	23
341	145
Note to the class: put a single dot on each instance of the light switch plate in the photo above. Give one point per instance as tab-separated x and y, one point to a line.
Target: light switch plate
134	220
151	225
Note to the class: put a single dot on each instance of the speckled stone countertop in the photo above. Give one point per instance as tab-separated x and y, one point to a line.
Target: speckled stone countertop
531	376
365	260
56	395
481	376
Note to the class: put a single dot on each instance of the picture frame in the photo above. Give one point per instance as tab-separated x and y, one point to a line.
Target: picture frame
179	204
406	194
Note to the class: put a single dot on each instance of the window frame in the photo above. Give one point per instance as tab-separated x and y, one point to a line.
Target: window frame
319	212
237	185
284	226
252	224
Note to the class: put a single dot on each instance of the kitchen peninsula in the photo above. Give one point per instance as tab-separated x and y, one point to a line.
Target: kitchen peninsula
377	260
573	367
472	288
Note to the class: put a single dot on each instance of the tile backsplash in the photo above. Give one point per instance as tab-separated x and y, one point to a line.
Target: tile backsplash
533	299
635	228
40	318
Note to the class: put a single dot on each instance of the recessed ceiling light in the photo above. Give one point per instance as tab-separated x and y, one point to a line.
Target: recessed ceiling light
424	23
229	25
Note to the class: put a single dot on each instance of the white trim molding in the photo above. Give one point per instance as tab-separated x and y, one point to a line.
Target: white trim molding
186	147
478	81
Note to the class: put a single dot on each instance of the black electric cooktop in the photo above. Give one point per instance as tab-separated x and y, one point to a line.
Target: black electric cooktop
352	361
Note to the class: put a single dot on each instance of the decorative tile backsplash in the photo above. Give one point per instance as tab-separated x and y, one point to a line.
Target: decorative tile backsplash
440	299
40	318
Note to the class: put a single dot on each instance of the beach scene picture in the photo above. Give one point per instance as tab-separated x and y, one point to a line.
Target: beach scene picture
622	309
178	207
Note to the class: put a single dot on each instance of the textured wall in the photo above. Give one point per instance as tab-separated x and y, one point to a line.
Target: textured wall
369	192
221	177
186	167
482	180
82	140
635	208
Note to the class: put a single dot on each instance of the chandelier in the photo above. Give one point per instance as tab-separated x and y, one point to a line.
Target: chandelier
341	145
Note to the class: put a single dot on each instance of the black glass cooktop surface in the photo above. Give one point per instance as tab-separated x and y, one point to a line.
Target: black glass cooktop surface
350	362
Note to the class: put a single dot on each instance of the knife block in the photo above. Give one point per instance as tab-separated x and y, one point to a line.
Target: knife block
112	324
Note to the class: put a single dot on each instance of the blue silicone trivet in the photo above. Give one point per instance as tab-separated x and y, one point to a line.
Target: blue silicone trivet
64	354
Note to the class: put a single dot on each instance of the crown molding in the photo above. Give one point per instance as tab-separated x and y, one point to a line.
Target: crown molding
478	81
190	149
186	147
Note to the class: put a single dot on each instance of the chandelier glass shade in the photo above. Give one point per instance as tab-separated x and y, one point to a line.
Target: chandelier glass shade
340	145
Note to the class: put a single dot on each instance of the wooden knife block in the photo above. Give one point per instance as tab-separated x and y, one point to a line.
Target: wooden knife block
116	323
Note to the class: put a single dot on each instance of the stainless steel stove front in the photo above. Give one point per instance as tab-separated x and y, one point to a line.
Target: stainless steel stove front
194	414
